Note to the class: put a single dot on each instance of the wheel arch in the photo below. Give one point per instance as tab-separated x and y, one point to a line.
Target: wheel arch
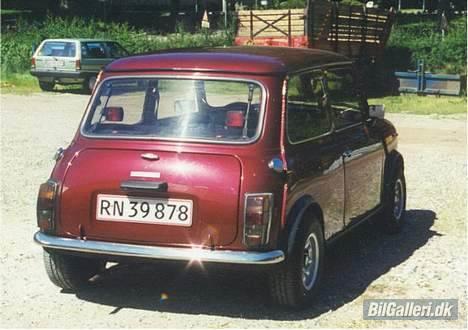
393	161
296	216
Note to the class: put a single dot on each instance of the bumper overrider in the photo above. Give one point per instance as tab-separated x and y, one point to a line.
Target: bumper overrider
157	252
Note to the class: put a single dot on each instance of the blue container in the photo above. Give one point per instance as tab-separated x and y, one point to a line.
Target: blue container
428	83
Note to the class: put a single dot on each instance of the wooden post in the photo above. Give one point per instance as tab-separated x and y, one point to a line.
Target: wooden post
289	28
225	13
310	22
251	25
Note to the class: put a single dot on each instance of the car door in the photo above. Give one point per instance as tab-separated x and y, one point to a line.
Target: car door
94	56
313	157
363	153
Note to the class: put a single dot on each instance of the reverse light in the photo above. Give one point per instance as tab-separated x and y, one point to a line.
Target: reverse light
257	219
33	63
46	205
77	65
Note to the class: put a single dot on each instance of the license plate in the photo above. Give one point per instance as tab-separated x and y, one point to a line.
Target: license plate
54	64
163	211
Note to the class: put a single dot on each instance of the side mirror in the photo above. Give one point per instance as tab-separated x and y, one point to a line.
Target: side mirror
377	111
114	114
324	101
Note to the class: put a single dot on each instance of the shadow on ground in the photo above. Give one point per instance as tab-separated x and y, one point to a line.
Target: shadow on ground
77	90
353	263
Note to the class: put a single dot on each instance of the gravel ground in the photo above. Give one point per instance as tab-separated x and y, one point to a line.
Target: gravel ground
426	260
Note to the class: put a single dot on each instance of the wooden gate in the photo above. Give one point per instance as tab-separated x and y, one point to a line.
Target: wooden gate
350	30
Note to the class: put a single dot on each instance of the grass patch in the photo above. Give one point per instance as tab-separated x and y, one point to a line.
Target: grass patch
22	83
422	105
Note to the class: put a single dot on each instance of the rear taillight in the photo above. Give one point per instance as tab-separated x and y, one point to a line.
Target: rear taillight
46	205
33	63
78	65
257	219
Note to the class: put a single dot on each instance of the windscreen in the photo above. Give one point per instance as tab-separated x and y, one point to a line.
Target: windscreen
215	110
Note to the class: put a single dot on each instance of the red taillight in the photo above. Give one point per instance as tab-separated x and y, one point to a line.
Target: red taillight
78	65
113	113
235	119
257	219
33	63
46	205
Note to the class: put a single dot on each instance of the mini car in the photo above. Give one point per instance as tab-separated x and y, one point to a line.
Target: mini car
72	61
243	156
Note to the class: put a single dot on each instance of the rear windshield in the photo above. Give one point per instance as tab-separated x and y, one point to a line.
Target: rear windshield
187	109
58	48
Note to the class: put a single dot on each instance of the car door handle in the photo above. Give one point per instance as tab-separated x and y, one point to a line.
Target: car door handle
144	185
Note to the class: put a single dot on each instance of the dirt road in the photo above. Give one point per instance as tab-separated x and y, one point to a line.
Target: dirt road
427	260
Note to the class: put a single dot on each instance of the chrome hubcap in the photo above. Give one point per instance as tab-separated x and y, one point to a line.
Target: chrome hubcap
399	199
310	262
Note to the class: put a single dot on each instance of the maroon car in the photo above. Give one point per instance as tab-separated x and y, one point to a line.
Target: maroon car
243	155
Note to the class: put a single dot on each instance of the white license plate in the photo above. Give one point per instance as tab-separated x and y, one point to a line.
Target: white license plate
164	211
54	64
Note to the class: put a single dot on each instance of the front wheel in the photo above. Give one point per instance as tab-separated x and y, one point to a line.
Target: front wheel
297	279
71	272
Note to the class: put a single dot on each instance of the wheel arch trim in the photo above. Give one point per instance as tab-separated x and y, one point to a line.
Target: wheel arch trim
295	218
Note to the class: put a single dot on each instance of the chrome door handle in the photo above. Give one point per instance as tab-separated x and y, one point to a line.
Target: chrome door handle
144	186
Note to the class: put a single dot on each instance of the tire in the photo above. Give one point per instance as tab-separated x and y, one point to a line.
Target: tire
46	86
70	272
89	83
289	284
393	216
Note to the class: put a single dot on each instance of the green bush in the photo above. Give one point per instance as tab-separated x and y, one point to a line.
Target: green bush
16	47
416	37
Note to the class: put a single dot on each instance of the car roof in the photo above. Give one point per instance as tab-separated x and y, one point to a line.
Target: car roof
246	59
80	39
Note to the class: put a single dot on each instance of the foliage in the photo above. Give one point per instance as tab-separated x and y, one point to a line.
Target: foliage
16	47
423	105
289	4
417	37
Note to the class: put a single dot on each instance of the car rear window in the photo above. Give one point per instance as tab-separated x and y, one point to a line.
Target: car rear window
182	109
58	48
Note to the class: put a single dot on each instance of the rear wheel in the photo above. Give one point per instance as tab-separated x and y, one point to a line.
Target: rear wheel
297	279
89	83
393	215
71	272
46	86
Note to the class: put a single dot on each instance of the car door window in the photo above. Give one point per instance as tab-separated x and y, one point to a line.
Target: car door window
343	97
93	50
115	50
307	117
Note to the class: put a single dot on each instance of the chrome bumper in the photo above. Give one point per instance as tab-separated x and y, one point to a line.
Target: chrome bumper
156	252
